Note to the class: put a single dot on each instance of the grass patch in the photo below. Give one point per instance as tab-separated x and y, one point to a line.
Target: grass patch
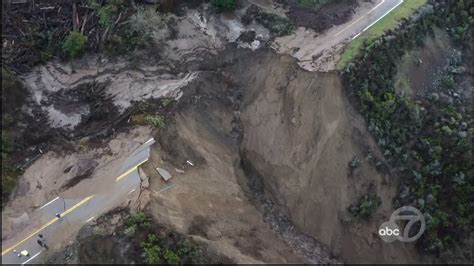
406	9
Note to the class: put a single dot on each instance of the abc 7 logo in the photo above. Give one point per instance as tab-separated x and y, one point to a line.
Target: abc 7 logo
390	231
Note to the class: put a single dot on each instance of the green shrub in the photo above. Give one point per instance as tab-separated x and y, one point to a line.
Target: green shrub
105	14
74	44
167	101
355	163
313	3
145	24
151	250
366	206
157	121
171	257
279	26
136	221
188	251
224	4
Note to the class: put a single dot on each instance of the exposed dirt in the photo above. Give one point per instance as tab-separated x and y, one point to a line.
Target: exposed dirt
321	19
419	66
243	130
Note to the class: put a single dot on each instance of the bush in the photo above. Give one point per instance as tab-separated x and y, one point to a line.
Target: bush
224	4
314	3
355	163
366	206
74	44
151	250
279	26
136	221
188	252
157	121
171	257
145	25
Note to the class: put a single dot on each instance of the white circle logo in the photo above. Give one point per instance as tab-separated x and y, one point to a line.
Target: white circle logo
390	231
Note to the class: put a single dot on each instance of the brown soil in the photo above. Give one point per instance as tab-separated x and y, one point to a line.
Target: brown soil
282	142
419	67
321	19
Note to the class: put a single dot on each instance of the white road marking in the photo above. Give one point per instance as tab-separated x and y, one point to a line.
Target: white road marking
90	219
357	35
391	9
152	139
131	191
360	18
49	203
31	258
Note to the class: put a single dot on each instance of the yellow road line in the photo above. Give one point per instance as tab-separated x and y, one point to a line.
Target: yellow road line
49	223
130	170
350	25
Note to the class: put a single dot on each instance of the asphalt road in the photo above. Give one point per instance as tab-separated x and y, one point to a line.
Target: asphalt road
318	52
358	25
75	212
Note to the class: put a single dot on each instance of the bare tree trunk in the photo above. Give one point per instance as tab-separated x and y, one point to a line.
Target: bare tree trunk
74	14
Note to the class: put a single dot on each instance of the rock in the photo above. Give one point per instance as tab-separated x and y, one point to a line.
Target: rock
145	183
142	174
459	70
435	96
446	99
164	174
179	171
115	219
213	234
293	121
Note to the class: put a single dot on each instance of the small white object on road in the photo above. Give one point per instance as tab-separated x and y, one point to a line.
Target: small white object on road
190	163
90	219
131	191
24	252
31	258
164	174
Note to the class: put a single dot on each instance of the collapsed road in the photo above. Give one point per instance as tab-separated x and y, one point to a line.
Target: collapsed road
74	212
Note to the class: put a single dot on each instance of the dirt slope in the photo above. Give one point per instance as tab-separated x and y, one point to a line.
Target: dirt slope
295	134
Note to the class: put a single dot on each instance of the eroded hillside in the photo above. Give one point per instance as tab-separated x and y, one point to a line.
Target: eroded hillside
275	156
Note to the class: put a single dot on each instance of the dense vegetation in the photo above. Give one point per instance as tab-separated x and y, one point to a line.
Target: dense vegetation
427	141
74	44
160	247
314	3
12	88
277	25
224	4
